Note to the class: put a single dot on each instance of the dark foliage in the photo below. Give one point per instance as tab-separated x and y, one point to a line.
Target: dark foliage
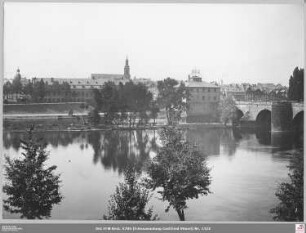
296	85
94	117
291	194
180	170
31	188
124	103
130	200
172	96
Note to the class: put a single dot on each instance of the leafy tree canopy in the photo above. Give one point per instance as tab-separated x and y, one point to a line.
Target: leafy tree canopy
130	200
31	187
180	170
296	85
125	101
228	110
291	194
172	96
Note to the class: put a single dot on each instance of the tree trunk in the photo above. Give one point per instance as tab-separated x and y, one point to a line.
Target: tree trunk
167	115
181	214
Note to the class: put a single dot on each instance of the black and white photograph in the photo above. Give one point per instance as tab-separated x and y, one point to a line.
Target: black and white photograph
160	112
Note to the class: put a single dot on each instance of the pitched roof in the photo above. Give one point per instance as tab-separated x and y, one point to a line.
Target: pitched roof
107	76
201	84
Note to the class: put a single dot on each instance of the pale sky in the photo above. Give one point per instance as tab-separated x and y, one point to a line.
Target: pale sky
233	42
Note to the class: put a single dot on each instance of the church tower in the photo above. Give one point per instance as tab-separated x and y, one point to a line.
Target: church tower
127	69
18	75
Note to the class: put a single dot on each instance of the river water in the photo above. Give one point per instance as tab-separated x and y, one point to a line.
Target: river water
246	169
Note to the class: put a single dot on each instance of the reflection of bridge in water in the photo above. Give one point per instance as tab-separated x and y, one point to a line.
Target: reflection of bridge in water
280	116
227	141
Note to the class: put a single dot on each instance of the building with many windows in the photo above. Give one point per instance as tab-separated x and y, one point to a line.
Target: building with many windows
203	100
70	89
81	89
236	91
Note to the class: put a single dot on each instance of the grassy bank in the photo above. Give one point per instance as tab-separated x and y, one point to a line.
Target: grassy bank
46	108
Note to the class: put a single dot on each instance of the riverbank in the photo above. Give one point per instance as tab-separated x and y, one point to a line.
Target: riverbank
54	123
46	109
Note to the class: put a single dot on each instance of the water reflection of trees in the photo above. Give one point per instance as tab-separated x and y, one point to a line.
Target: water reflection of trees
291	194
54	139
207	140
116	149
113	148
263	137
230	140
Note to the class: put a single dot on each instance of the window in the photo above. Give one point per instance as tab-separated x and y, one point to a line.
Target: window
215	97
208	89
215	89
203	97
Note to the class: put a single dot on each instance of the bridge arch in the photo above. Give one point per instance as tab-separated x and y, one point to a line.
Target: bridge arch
239	114
298	122
263	119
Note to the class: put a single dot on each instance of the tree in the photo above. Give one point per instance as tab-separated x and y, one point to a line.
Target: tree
28	89
7	90
32	188
291	194
130	200
173	97
296	85
144	98
66	90
17	85
180	170
122	102
94	117
154	109
228	110
109	102
39	91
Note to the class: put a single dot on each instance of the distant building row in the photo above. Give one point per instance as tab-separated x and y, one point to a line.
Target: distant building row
81	89
202	104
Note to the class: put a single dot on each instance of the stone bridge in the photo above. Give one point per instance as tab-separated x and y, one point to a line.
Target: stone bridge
280	116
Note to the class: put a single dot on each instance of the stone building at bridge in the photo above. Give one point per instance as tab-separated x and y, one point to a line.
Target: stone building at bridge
204	99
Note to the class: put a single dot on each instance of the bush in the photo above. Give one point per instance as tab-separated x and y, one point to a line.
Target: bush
130	200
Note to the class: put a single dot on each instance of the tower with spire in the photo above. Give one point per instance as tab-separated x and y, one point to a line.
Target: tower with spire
127	69
17	75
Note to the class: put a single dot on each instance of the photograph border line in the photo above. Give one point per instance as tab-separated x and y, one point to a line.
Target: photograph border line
26	222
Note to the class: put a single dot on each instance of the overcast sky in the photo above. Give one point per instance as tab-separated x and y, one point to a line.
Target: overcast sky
234	42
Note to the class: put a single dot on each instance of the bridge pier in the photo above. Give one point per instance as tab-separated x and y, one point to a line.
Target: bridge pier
281	116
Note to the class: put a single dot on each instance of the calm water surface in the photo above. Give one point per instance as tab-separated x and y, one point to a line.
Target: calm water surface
246	168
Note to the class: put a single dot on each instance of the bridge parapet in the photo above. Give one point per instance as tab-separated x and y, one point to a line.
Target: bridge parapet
265	103
282	112
252	109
